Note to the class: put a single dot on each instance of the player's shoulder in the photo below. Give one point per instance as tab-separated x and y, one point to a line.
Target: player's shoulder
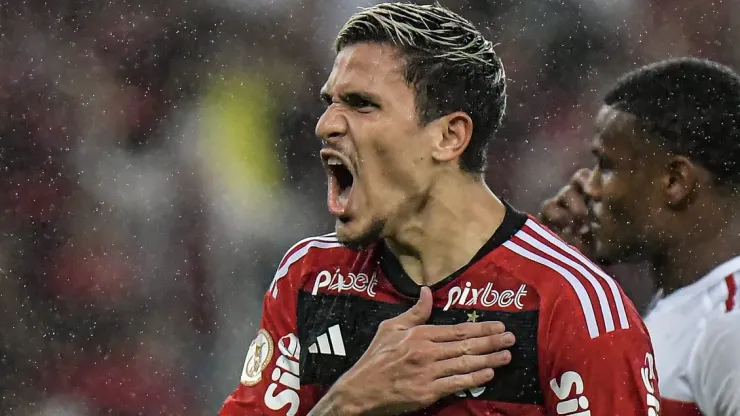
716	343
721	325
713	305
308	254
544	260
719	329
566	280
311	249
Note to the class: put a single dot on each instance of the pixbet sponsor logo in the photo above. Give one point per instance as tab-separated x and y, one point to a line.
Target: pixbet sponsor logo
284	391
359	282
486	296
570	391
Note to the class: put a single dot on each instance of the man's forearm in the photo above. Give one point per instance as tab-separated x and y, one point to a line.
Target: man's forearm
336	403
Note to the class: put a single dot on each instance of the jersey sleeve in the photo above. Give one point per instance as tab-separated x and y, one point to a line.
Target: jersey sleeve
269	384
714	368
609	371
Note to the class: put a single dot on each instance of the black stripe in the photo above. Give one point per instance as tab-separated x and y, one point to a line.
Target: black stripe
359	318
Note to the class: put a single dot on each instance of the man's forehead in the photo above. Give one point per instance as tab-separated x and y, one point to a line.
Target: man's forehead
611	123
365	65
616	133
606	118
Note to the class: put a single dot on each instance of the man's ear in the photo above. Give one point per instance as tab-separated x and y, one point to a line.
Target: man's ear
456	130
682	178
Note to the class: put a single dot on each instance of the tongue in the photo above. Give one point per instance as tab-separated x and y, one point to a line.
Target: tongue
337	200
344	196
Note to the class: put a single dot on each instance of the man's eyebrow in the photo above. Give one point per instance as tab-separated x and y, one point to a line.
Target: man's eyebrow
363	95
594	149
596	146
349	96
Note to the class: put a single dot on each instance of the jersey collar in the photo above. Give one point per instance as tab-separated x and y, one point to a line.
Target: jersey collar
710	279
513	221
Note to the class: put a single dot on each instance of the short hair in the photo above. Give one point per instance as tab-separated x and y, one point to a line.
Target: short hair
693	106
448	63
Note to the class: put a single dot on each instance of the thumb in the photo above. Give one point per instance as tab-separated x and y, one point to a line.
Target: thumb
419	313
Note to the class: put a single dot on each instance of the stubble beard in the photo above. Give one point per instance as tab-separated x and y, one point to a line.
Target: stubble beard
367	237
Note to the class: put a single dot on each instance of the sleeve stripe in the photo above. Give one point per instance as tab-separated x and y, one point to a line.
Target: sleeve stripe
324	242
616	294
731	292
588	311
332	237
606	311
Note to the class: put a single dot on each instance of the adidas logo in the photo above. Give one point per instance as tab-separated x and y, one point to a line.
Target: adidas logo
329	343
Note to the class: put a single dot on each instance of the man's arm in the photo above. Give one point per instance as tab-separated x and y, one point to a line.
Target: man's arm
715	367
610	374
275	351
269	384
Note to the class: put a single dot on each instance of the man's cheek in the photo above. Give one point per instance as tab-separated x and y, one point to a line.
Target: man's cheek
618	210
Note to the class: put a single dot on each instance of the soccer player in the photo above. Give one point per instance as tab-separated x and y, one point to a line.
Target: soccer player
404	308
665	190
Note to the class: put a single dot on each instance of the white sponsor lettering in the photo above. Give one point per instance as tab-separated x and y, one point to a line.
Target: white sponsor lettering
649	379
486	296
474	392
569	390
285	377
359	282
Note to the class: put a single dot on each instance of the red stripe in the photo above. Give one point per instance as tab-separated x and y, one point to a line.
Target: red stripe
731	292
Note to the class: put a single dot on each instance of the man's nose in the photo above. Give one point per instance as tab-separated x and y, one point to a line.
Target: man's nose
332	125
592	185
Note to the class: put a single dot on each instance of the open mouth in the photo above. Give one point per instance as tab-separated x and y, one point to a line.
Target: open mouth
341	181
341	173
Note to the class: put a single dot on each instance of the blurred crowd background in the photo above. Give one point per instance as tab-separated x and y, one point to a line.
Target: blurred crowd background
157	158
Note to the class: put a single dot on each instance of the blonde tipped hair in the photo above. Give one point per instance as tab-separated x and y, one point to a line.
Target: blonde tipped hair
448	62
430	28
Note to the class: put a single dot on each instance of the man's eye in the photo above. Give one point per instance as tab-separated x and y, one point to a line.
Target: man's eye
360	103
603	164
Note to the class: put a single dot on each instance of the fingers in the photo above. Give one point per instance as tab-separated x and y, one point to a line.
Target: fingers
574	201
452	384
581	178
467	364
474	346
555	215
568	210
418	314
458	332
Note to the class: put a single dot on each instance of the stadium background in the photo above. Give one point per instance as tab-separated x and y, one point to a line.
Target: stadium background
158	158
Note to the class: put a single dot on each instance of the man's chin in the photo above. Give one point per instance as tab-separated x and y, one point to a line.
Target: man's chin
602	254
614	254
355	236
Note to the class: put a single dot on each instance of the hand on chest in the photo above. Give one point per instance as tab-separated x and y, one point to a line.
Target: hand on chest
335	329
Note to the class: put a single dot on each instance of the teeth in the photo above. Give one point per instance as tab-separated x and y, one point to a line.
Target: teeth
334	161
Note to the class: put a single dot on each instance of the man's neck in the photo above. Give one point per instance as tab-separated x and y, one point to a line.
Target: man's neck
460	216
711	241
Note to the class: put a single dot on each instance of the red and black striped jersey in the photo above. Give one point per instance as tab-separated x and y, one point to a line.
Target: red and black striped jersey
581	348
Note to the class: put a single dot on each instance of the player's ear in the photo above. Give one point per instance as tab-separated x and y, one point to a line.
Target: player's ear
681	181
456	130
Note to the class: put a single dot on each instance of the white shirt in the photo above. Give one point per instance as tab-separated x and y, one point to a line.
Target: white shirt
696	338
